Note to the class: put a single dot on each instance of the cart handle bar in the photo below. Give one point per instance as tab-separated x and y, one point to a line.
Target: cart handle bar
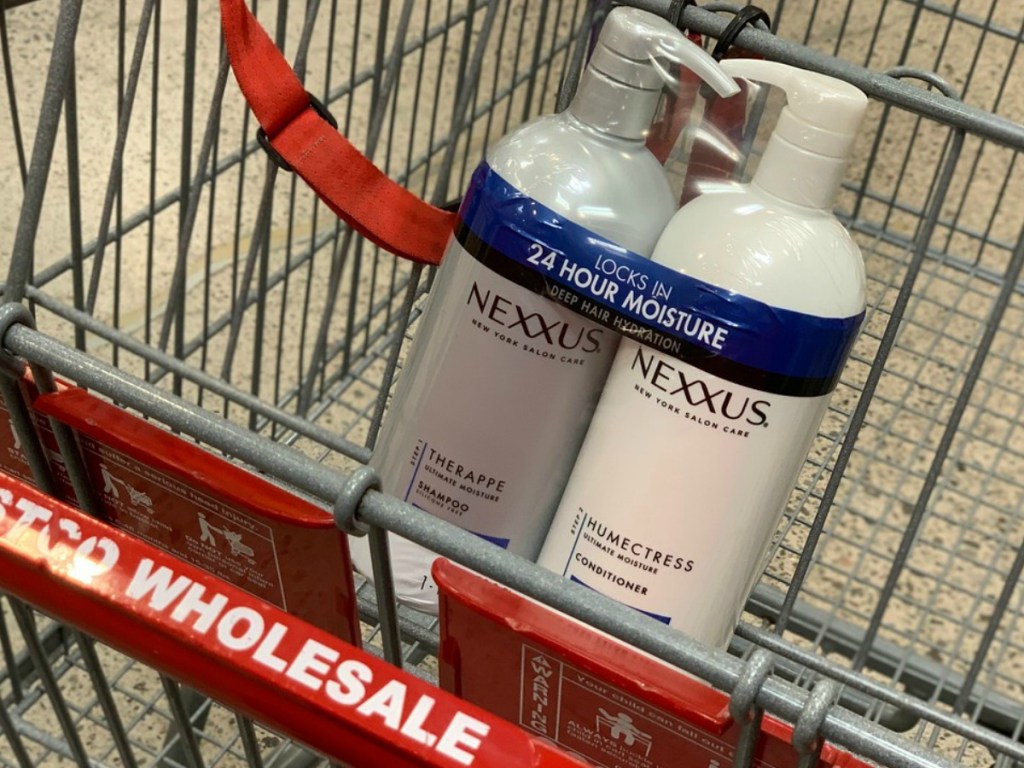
239	650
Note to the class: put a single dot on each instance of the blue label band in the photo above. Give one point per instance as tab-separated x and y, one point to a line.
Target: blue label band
737	338
503	543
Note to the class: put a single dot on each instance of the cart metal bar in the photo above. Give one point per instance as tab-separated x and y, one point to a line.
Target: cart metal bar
126	103
1009	586
956	14
185	175
26	621
870	386
11	671
1002	302
381	76
22	255
314	225
12	100
67	444
339	259
260	230
247	734
575	67
258	254
387	608
550	55
920	679
467	85
185	744
116	296
233	439
149	212
383	86
21	674
878	86
719	669
282	315
74	196
101	687
392	360
21	422
744	710
204	380
13	736
412	632
176	292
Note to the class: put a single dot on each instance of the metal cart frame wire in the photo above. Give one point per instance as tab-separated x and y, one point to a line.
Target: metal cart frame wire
925	418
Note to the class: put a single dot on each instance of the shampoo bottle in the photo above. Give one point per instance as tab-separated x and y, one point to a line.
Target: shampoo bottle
695	447
501	381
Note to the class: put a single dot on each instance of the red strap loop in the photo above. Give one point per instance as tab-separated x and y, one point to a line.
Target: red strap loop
356	190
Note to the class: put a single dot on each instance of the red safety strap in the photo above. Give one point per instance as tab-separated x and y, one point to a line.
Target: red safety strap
303	134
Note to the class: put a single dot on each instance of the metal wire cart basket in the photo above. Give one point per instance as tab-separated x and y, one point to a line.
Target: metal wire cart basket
171	269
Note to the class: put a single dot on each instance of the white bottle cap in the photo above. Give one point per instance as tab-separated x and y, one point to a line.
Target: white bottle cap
822	114
620	89
804	160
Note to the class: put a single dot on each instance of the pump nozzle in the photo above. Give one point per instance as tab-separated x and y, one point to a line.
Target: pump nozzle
620	88
804	158
822	114
634	45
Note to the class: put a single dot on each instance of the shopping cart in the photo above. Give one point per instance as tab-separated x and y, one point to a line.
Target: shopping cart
170	268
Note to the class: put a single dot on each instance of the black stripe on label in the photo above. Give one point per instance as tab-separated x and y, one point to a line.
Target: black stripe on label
610	317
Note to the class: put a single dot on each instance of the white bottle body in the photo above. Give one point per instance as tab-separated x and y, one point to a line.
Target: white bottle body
686	470
501	382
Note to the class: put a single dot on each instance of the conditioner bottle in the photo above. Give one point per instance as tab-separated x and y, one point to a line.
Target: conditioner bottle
696	444
501	381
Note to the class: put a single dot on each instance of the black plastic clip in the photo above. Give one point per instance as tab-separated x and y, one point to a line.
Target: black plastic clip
745	17
675	12
453	205
273	154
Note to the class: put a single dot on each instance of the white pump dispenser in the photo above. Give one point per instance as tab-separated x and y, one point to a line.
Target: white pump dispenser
693	452
804	160
501	381
620	89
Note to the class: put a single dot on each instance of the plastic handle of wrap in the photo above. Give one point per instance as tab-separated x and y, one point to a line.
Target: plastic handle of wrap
306	139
